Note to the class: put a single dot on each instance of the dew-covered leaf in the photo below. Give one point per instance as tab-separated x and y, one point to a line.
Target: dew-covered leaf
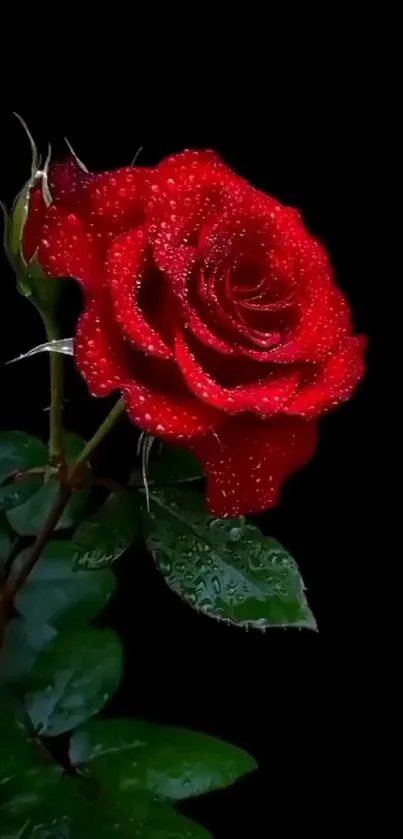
73	678
224	567
102	538
170	762
54	587
22	642
28	518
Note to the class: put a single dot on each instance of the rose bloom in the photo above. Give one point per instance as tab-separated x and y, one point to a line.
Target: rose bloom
209	306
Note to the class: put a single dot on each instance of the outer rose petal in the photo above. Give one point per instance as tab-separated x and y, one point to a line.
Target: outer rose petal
33	227
333	383
100	353
108	363
105	202
66	250
67	180
247	460
169	416
66	184
114	200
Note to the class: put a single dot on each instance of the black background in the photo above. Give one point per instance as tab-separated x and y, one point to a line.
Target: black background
287	697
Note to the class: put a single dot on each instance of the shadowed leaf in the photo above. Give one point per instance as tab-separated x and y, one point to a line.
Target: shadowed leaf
54	588
170	762
22	642
72	679
28	518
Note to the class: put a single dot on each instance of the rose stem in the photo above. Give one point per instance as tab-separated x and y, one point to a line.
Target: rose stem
103	429
56	447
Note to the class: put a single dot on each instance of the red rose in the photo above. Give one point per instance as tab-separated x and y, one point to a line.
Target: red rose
210	306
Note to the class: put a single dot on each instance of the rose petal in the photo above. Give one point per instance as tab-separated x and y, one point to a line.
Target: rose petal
108	363
324	318
225	314
126	273
168	416
264	397
101	355
185	189
33	227
247	460
67	250
333	382
114	199
67	182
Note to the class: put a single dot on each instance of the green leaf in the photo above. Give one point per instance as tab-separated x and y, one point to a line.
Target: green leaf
73	678
16	493
22	642
54	587
170	762
173	465
5	540
224	567
81	819
27	775
19	452
163	822
37	800
17	752
28	518
31	800
103	538
38	828
134	815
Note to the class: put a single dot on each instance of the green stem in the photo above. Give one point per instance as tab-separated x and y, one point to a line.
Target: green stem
56	447
103	429
13	585
10	587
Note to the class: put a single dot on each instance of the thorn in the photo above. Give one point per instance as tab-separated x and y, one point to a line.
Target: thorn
63	346
77	159
136	155
43	173
144	446
140	443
